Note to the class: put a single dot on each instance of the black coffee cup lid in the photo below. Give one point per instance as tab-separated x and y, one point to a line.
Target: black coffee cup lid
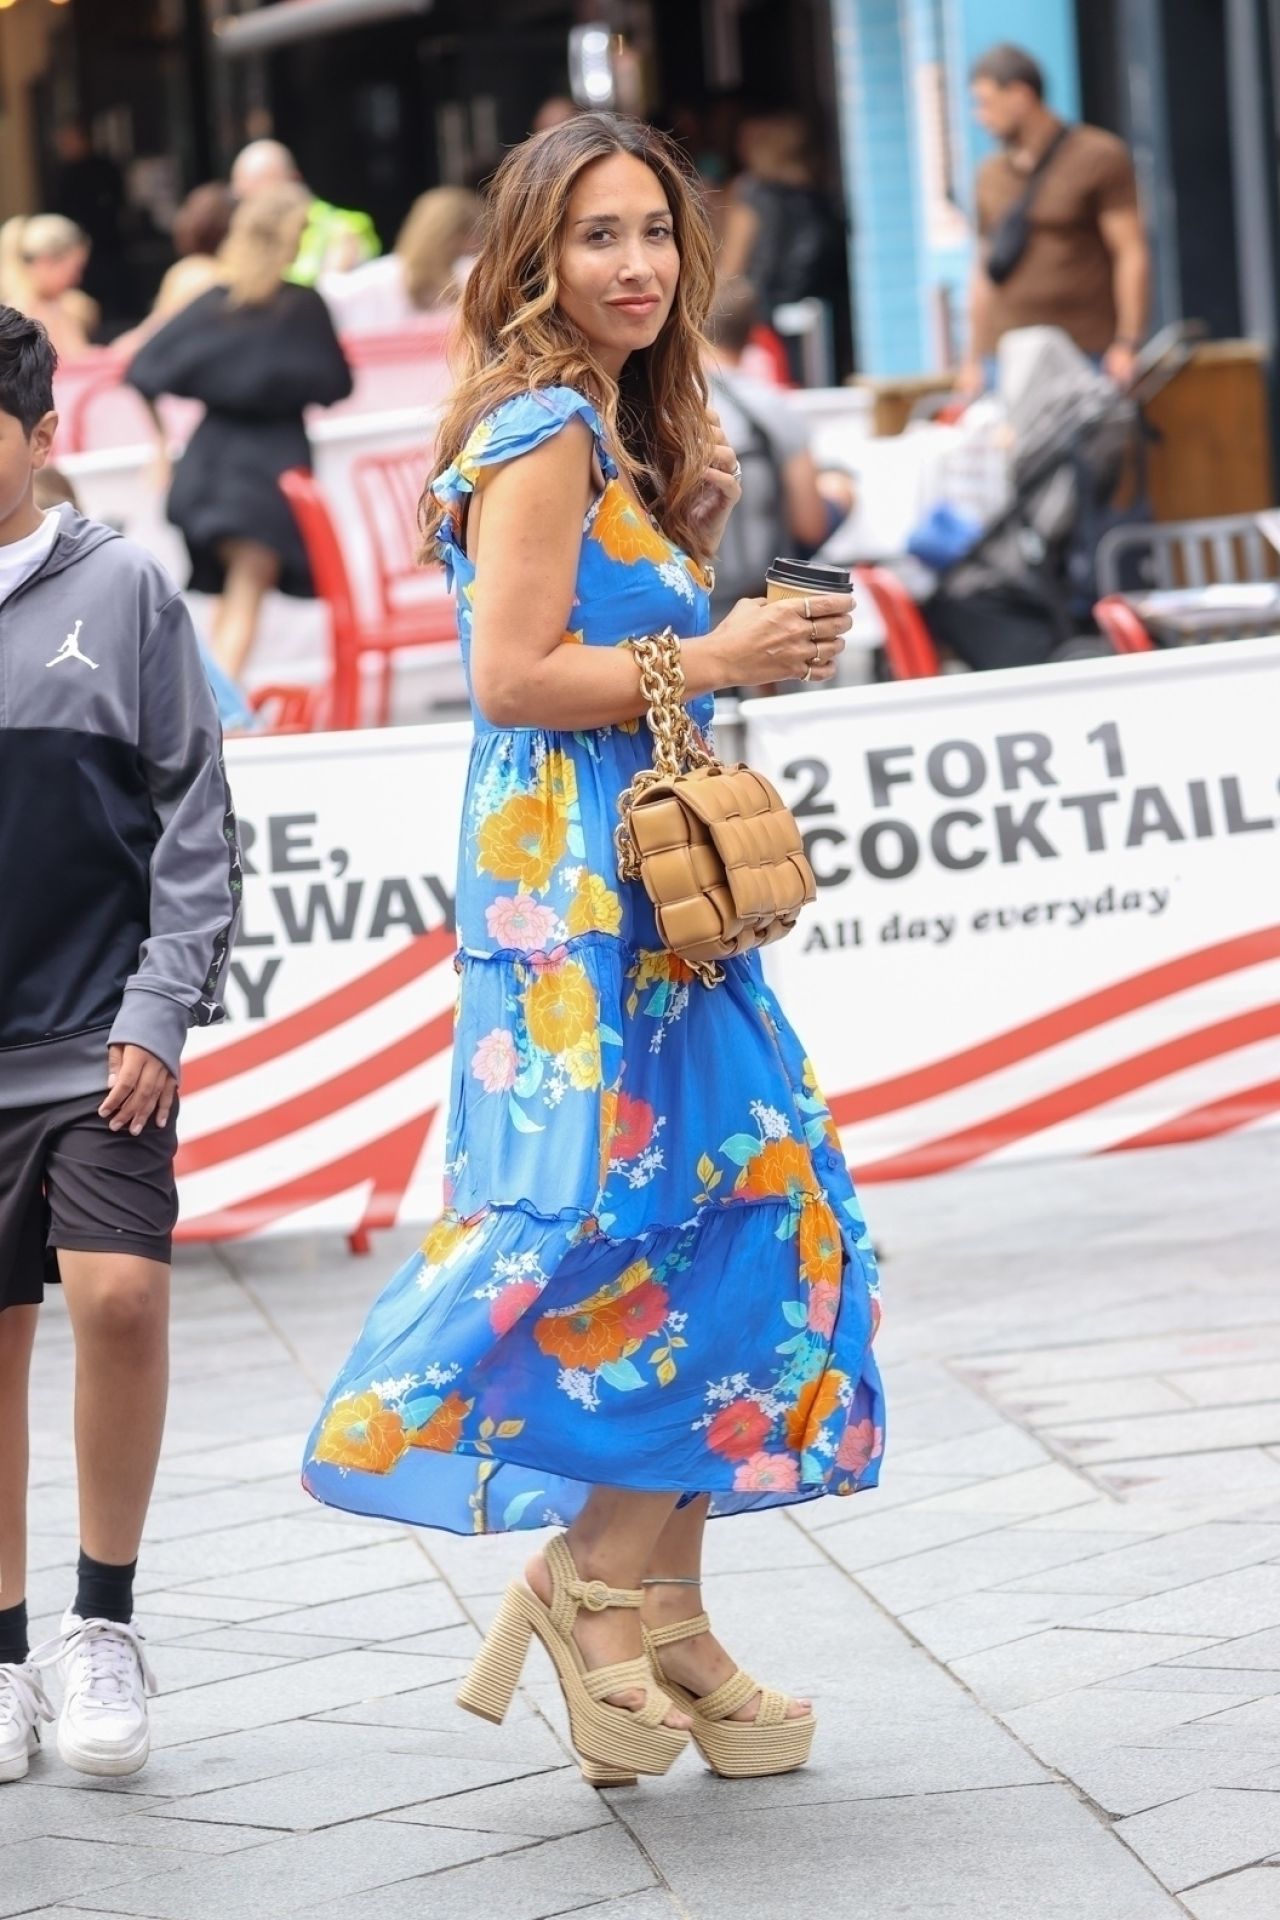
815	578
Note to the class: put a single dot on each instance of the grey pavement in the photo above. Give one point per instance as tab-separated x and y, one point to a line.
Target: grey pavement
1045	1653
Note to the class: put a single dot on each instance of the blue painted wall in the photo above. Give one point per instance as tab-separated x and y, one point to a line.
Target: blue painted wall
901	276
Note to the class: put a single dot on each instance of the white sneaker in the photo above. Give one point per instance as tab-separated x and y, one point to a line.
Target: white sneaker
106	1679
23	1705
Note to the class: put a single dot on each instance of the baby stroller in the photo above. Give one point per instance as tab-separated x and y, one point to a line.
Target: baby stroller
1020	593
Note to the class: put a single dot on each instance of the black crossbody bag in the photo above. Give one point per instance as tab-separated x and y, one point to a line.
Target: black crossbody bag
1009	239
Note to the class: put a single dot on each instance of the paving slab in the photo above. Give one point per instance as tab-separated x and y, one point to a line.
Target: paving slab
1251	1895
1205	1834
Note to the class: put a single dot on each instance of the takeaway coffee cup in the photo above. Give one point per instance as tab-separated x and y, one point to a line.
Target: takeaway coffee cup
793	579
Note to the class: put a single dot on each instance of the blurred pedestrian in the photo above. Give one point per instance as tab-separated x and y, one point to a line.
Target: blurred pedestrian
554	112
88	187
1061	236
425	270
121	879
782	230
787	507
332	238
199	228
42	262
257	351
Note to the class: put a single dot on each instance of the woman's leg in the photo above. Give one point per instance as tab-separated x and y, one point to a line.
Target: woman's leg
700	1664
17	1336
613	1540
252	570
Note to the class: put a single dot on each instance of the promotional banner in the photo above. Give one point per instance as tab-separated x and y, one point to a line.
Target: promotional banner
1048	923
1048	918
321	1100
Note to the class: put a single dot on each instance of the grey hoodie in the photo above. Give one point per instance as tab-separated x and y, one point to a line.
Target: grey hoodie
119	862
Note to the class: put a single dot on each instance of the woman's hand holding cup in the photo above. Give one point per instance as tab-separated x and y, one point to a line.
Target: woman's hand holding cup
796	633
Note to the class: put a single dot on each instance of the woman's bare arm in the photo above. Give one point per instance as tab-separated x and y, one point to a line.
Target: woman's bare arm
524	535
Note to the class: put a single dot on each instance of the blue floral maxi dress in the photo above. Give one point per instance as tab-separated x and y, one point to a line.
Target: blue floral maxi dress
652	1271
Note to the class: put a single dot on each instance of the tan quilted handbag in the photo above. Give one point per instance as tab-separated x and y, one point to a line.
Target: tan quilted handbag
719	854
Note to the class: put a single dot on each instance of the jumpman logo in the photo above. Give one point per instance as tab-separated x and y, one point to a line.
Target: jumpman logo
70	650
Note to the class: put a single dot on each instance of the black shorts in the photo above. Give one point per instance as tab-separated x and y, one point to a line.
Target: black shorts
67	1181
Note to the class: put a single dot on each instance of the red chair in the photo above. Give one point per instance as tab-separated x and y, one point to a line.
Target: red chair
389	487
424	624
1122	626
908	644
286	709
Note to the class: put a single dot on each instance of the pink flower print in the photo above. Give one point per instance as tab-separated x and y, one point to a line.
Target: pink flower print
823	1301
494	1061
767	1473
861	1444
512	1303
517	920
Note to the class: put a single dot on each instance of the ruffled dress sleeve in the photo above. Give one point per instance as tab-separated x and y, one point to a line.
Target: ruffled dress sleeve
515	427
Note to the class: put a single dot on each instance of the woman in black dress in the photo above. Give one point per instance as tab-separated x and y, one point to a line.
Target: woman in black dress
256	351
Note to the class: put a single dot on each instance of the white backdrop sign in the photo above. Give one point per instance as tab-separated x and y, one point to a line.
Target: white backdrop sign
322	1099
1049	909
1048	923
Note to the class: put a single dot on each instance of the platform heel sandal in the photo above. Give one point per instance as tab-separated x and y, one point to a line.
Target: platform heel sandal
735	1749
613	1744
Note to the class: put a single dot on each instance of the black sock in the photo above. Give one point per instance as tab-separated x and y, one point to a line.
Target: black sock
103	1592
14	1645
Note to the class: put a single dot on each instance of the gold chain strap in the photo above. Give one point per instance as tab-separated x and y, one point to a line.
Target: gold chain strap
677	744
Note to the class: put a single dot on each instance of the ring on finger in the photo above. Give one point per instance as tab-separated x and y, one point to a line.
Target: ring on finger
808	610
735	472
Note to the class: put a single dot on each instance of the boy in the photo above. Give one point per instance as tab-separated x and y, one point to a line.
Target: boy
120	879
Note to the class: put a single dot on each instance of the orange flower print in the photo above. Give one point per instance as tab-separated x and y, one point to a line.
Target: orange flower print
442	1432
360	1432
823	1302
608	1122
861	1444
624	532
601	1328
781	1168
821	1248
512	1304
561	1007
818	1401
767	1473
595	907
739	1429
524	840
633	1129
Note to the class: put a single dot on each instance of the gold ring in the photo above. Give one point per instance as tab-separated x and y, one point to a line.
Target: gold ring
808	610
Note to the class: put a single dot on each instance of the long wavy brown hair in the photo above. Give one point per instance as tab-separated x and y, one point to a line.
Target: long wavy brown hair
512	336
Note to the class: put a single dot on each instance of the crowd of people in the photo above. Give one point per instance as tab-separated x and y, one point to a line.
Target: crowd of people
270	278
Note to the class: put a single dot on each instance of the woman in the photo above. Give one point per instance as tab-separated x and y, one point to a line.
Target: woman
42	262
651	1296
423	273
257	351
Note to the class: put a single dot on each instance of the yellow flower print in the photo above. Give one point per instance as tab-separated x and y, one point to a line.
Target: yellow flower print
559	777
561	1008
469	458
595	907
524	840
573	637
623	531
445	1238
583	1063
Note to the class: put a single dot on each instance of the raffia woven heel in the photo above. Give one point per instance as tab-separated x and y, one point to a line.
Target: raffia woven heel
614	1744
496	1669
736	1749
